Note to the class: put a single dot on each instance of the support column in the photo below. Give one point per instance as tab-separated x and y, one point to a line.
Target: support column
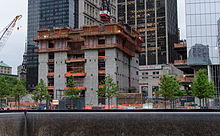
167	48
126	11
135	14
111	66
155	8
91	80
145	18
60	69
43	67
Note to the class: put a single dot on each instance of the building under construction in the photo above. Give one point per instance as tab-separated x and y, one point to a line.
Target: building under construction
88	54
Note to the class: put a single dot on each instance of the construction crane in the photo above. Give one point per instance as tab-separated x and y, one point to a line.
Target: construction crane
105	12
6	32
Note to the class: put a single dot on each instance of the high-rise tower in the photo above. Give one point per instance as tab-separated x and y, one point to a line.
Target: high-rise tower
158	28
202	35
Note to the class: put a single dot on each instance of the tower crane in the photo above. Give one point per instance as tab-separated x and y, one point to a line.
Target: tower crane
6	32
105	12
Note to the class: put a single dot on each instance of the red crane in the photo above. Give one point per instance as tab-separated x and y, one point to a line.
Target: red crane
105	13
6	32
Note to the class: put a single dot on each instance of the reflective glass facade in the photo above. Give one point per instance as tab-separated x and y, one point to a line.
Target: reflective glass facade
203	31
57	13
158	28
32	57
203	36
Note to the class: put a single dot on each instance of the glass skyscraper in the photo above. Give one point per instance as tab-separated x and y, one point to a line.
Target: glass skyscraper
57	13
202	24
158	28
31	63
203	36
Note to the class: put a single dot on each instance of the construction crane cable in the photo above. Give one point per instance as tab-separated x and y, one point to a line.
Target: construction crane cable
6	32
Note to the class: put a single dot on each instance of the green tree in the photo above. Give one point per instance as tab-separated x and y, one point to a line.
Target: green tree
201	87
72	92
41	92
109	89
169	88
4	89
18	92
11	81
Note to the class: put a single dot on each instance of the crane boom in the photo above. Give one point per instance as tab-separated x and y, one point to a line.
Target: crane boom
6	32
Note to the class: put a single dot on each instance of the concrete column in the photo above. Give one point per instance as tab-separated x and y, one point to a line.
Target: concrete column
167	49
81	13
116	10
145	18
134	69
126	11
209	72
91	80
111	66
155	8
135	14
43	67
60	69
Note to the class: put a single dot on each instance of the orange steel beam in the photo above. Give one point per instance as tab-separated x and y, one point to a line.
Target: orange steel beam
68	74
79	88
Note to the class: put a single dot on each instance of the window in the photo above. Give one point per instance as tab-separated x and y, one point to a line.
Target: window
101	41
51	45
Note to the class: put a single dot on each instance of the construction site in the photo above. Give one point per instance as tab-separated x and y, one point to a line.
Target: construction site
89	54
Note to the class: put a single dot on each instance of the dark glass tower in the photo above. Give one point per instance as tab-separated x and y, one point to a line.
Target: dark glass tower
158	28
57	13
46	14
31	56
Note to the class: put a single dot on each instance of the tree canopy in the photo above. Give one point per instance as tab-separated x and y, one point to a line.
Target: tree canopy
4	88
170	87
19	90
72	91
108	90
201	87
40	93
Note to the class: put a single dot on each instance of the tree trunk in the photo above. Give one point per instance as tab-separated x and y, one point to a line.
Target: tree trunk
203	103
200	103
165	103
18	102
206	103
1	103
108	103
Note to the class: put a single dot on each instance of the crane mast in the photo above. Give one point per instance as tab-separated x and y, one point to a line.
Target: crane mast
105	12
6	32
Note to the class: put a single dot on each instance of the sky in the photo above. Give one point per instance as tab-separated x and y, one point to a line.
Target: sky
12	53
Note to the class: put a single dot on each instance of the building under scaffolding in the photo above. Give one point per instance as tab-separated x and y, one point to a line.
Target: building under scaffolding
89	54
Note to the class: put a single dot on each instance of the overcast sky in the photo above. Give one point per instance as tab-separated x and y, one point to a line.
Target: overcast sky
12	53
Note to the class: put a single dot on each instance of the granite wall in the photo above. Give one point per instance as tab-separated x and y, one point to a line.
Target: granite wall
110	124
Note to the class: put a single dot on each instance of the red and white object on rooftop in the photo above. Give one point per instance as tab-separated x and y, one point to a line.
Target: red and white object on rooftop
105	16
